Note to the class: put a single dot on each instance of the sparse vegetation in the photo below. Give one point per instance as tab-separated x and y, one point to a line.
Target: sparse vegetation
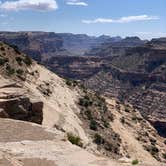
88	114
106	124
164	156
153	150
72	83
153	141
10	71
2	48
135	162
19	60
93	125
98	139
3	61
85	101
27	60
127	109
95	113
74	139
19	71
122	120
136	119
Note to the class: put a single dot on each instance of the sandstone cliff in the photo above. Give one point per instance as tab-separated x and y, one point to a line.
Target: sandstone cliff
68	112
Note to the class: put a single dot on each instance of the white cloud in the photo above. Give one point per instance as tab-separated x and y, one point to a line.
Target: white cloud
122	19
40	5
76	3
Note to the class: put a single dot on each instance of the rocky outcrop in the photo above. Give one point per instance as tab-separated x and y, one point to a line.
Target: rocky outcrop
22	109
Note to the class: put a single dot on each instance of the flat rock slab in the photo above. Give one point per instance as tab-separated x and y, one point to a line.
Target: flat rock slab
13	131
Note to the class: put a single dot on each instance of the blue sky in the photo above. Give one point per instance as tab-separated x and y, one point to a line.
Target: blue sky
144	18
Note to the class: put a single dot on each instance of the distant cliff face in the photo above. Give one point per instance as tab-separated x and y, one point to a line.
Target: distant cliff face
43	45
39	45
115	47
79	44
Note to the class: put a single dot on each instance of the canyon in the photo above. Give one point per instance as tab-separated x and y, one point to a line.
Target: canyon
112	97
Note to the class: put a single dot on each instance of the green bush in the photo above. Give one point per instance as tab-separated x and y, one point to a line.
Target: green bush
135	162
122	120
85	101
74	139
10	71
88	114
3	61
127	109
106	124
19	60
27	60
153	141
19	71
98	139
68	82
2	48
164	156
93	125
153	150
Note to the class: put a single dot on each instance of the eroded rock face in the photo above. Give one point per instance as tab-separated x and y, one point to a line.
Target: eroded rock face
22	109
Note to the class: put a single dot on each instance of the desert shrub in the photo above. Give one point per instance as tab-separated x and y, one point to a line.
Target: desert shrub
164	156
19	60
111	147
19	71
106	124
122	120
27	60
3	61
88	114
68	82
135	162
74	139
85	101
2	48
10	71
98	139
104	107
71	82
153	141
93	125
153	150
136	119
127	109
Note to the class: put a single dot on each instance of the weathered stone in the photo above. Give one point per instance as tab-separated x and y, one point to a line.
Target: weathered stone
3	114
22	109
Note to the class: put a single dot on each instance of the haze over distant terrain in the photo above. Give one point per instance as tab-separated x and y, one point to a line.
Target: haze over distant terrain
82	83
